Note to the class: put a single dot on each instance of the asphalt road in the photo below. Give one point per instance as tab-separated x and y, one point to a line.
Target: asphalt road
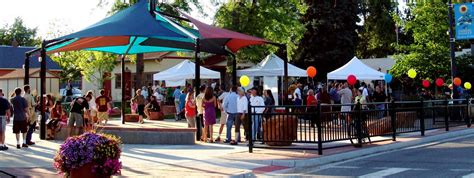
453	158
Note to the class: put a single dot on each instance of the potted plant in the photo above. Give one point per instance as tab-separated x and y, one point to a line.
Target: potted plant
89	155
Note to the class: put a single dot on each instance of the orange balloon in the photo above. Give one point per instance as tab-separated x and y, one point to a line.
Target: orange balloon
457	81
311	71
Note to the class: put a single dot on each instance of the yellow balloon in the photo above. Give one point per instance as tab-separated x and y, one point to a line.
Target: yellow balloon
244	80
467	85
412	73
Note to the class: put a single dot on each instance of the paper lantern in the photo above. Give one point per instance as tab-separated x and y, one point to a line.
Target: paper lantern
467	85
426	83
439	82
351	79
244	80
457	81
311	71
412	73
388	78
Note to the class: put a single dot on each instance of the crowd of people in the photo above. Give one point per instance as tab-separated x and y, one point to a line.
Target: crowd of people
203	111
24	110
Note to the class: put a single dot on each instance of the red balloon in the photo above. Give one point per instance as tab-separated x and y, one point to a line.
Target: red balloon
311	71
457	81
351	79
426	83
439	82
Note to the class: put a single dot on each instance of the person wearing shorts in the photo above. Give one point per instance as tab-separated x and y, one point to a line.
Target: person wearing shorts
4	119
103	105
140	100
76	117
20	119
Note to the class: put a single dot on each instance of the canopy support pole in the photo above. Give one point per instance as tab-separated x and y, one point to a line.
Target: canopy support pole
26	66
43	89
285	73
123	79
234	70
197	84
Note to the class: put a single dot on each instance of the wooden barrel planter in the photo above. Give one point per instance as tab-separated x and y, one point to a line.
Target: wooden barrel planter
168	109
280	131
384	125
85	171
158	116
131	118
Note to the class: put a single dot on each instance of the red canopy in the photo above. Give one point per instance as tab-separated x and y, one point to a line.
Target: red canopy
233	40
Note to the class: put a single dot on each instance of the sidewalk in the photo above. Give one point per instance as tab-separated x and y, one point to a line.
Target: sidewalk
204	160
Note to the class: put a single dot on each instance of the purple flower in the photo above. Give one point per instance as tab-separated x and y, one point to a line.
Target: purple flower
101	150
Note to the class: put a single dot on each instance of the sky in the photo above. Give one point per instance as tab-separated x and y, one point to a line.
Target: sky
65	16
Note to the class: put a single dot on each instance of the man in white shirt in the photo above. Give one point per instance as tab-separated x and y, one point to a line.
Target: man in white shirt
258	101
159	96
242	109
346	98
365	91
200	110
297	93
224	115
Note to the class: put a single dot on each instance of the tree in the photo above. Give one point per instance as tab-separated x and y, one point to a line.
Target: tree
23	35
429	52
96	67
331	36
276	21
465	66
92	66
378	35
68	63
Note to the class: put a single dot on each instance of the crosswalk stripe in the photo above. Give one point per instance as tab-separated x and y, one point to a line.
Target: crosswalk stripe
469	176
385	172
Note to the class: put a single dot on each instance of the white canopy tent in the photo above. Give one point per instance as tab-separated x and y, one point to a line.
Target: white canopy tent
271	68
177	75
357	68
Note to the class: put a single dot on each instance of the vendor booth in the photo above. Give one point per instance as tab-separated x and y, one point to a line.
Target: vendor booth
357	68
270	69
178	74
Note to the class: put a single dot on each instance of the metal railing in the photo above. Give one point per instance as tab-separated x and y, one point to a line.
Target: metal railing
335	125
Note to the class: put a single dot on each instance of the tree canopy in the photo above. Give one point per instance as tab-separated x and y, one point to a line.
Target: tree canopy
276	21
378	36
429	52
331	35
23	35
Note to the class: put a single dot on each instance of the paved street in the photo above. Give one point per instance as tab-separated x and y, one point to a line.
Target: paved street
454	158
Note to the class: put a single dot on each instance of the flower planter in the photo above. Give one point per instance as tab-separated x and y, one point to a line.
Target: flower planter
85	171
132	118
89	155
159	116
280	131
384	125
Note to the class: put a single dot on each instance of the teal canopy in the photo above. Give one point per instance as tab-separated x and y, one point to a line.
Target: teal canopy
123	33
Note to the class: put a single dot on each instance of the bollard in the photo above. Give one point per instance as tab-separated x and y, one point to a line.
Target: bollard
422	118
318	124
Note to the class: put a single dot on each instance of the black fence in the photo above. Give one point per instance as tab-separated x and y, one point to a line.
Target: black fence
334	125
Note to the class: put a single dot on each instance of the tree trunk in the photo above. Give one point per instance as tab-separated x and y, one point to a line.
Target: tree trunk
139	74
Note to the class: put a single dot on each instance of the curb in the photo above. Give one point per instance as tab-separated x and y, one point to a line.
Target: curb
244	174
301	164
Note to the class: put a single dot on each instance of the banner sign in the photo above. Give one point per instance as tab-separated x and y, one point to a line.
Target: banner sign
464	16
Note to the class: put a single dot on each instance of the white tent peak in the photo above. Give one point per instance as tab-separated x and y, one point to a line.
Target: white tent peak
272	65
357	68
185	70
